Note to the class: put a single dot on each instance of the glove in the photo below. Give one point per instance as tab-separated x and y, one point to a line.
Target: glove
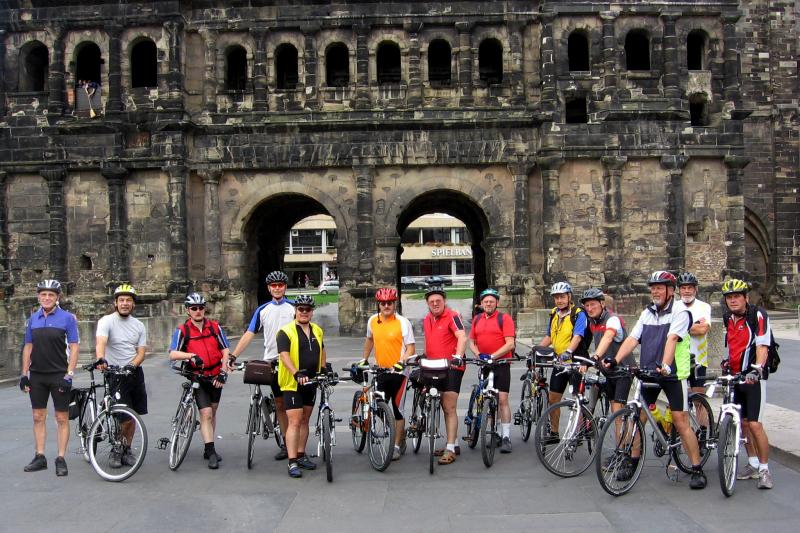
130	368
222	377
456	360
298	375
754	376
398	367
484	357
100	362
725	365
565	356
24	383
363	363
663	366
610	361
66	384
196	361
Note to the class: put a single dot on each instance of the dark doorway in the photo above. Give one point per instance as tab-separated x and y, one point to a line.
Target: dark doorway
236	69
575	110
87	63
490	61
578	51
698	109
637	50
388	63
696	50
439	59
144	64
337	65
286	67
33	67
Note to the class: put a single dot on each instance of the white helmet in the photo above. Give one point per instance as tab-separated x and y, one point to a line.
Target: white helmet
194	298
561	287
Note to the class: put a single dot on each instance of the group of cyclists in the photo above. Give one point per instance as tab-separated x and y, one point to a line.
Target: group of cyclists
672	333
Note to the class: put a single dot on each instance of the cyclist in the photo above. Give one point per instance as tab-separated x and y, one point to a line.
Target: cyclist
392	337
302	353
748	336
203	345
121	340
568	334
269	318
47	371
445	339
698	334
492	339
659	330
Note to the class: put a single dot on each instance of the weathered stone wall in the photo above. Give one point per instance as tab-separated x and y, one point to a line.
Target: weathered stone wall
148	230
28	227
86	198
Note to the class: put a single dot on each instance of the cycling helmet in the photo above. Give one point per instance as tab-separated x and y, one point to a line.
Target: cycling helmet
194	298
561	287
687	278
593	294
49	285
386	294
735	286
662	277
435	289
277	276
305	299
125	290
489	292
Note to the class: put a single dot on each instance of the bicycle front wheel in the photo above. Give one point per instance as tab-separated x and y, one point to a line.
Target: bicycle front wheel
488	432
620	441
85	422
540	402
327	444
417	423
357	423
381	436
182	431
727	454
432	418
567	450
701	420
472	420
526	410
120	443
253	429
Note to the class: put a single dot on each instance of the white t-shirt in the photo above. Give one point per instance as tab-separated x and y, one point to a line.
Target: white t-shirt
271	317
125	335
698	344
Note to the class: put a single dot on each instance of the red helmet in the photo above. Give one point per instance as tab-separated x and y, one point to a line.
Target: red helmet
662	277
386	294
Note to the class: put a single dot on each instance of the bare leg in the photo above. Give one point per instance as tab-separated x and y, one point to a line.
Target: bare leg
62	420
39	429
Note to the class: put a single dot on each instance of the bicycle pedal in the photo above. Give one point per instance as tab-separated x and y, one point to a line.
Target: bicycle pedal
517	419
162	443
337	419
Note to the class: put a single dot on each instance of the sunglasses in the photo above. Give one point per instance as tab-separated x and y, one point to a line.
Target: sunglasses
304	309
197	308
386	304
276	285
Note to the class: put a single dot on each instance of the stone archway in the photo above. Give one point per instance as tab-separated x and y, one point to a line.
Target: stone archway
758	253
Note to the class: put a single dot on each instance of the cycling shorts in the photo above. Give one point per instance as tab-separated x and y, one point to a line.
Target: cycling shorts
753	399
454	378
132	391
207	395
304	396
393	386
697	377
676	391
43	386
559	382
502	377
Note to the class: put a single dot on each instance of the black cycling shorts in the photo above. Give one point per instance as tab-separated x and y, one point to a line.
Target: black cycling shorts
132	390
559	382
752	398
43	386
618	388
502	377
304	396
393	386
676	391
454	378
207	395
697	376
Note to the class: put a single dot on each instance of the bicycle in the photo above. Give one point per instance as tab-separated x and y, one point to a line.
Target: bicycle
83	407
570	449
535	390
262	416
325	429
729	439
185	422
117	435
624	434
372	419
427	407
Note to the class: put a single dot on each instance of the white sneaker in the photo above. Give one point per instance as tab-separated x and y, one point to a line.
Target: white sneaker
748	472
764	480
396	454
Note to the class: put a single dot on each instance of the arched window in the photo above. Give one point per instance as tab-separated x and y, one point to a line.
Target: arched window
236	69
34	61
286	76
696	50
490	61
337	65
388	59
578	51
144	64
439	60
698	109
575	111
637	50
87	63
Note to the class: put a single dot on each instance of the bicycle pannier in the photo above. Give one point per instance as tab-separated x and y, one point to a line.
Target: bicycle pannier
76	402
258	373
433	369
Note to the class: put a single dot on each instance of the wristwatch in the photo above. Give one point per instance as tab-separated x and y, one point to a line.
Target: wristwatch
71	373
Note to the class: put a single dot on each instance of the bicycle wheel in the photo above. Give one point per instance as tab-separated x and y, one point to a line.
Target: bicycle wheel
85	422
119	435
488	432
526	410
701	420
472	419
327	429
417	423
727	454
253	429
381	436
357	423
267	427
622	435
541	403
571	451
433	427
182	432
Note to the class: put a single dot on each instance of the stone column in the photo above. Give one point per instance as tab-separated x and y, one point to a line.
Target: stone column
551	195
213	231
260	70
609	54
179	261
310	53
2	69
4	265
362	96
520	175
386	265
612	219
365	183
57	211
414	97
548	61
670	77
676	214
114	102
210	71
55	82
515	30
119	264
174	31
734	237
465	63
497	256
730	56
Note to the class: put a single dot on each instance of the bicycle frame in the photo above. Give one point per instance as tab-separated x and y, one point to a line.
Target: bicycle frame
324	407
637	404
729	406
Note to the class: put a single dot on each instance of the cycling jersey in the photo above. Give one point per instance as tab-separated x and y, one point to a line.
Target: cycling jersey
208	344
698	344
652	330
741	348
487	334
561	330
440	338
598	327
50	336
390	336
305	352
271	317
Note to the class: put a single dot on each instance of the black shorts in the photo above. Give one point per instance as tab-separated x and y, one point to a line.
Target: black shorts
559	382
752	398
454	378
697	376
617	389
132	391
676	391
207	395
304	396
393	386
502	377
43	386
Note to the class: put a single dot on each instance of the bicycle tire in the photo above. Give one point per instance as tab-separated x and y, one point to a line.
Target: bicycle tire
182	432
727	455
489	433
106	431
526	410
358	427
419	421
85	422
432	429
697	403
617	451
327	456
253	428
542	402
267	427
574	452
381	436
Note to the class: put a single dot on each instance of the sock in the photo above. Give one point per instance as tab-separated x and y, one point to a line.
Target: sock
762	467
397	447
697	468
301	455
506	430
209	449
753	461
634	461
451	447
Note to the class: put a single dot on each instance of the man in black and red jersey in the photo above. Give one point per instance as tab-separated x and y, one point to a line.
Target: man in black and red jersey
445	339
748	337
203	345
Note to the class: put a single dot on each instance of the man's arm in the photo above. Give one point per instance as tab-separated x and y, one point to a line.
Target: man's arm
100	343
473	346
700	327
368	345
605	342
669	349
546	341
74	352
139	359
461	345
26	357
410	350
507	347
628	345
323	357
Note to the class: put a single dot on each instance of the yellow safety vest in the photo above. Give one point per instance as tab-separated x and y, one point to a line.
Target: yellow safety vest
286	381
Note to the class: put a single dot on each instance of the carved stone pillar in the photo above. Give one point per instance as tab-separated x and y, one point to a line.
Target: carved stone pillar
179	257
612	219
414	71
609	53
310	53
386	260
213	231
210	71
734	237
174	30
465	63
730	56
676	214
551	195
520	175
2	69
670	78
515	30
362	98
57	211
365	183
119	265
548	61
55	82
114	70
260	70
4	265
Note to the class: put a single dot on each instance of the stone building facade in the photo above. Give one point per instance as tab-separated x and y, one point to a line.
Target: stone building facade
174	143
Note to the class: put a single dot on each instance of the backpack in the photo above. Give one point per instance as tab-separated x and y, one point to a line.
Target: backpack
215	332
751	317
586	341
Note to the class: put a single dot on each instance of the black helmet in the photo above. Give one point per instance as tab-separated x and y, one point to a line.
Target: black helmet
277	276
687	278
593	294
49	285
305	299
435	289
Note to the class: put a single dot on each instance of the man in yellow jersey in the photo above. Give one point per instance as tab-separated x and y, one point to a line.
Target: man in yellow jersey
392	338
